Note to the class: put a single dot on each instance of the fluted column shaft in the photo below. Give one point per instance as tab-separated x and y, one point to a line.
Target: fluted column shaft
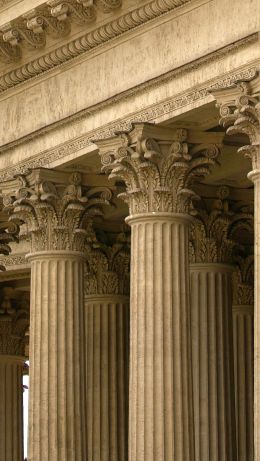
107	357
255	177
212	358
11	408
57	363
160	363
243	319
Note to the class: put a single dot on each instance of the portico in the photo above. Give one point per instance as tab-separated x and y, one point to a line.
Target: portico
129	211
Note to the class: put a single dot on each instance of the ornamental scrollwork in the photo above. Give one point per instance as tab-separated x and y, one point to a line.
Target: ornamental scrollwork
8	233
239	107
56	211
158	166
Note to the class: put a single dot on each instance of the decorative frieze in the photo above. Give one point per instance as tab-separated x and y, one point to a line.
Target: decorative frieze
145	115
158	166
55	207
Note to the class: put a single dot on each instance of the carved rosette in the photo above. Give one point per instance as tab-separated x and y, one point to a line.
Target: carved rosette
240	114
108	268
14	322
158	166
57	213
212	232
243	281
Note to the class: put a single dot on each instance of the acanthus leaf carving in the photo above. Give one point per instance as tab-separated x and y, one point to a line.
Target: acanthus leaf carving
239	107
108	267
243	281
213	232
56	213
158	167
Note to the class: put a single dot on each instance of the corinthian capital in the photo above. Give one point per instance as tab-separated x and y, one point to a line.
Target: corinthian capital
240	113
159	165
108	267
55	207
243	281
214	232
14	321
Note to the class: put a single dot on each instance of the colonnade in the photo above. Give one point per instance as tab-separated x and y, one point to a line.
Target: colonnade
156	381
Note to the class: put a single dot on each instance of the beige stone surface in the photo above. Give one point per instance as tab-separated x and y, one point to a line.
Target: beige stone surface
57	394
243	324
212	362
106	315
107	376
159	170
14	321
239	109
161	411
45	103
11	408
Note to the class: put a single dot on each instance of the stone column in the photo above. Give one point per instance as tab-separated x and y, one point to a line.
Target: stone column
54	206
157	166
14	319
212	348
243	325
107	351
240	113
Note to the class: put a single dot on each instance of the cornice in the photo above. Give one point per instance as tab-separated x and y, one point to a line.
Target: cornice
54	18
33	32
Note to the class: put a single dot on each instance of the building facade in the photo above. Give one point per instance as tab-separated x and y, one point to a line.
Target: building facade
129	232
